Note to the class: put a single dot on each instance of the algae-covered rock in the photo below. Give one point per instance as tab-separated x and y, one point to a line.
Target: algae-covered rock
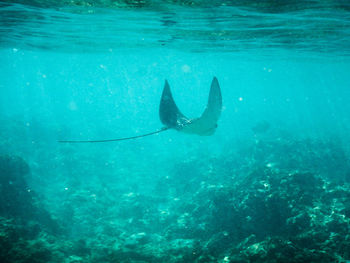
16	197
17	246
280	250
273	210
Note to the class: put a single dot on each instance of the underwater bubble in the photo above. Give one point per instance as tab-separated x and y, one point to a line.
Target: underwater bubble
186	68
72	106
267	69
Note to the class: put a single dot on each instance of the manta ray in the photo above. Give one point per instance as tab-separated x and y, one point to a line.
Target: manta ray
172	118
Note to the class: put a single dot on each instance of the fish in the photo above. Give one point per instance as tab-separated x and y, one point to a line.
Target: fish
205	125
172	118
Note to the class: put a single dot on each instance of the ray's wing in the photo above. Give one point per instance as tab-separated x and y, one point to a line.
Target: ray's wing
169	113
207	123
212	112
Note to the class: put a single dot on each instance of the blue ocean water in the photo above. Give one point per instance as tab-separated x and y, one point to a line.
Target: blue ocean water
274	177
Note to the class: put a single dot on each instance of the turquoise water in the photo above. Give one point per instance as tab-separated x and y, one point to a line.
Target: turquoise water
272	183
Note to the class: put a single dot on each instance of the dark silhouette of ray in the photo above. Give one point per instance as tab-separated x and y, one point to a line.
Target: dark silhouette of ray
172	118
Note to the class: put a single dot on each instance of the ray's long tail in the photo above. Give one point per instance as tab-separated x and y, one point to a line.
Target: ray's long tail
119	139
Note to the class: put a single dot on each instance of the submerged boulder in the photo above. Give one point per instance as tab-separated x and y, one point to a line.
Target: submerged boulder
15	196
17	200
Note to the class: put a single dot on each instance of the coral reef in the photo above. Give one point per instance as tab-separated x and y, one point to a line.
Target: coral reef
23	221
270	201
15	194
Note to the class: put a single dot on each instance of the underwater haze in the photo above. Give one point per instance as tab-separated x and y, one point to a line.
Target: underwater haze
272	184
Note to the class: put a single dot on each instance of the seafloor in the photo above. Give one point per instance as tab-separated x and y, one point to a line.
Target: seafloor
271	199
